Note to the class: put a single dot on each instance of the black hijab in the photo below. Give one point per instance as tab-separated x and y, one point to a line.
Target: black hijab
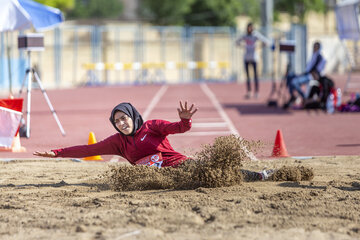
129	110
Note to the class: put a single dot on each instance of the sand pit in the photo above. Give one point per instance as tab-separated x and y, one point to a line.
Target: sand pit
63	199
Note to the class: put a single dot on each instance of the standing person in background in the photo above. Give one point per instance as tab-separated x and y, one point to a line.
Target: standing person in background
250	57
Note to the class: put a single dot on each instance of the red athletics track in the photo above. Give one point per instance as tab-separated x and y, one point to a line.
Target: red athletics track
222	111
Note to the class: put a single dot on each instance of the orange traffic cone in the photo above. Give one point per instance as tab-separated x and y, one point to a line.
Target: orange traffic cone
279	149
92	140
15	146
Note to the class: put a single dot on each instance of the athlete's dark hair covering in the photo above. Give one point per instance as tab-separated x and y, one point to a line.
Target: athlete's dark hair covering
129	110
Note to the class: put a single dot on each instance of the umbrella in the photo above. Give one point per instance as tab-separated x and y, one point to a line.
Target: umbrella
24	14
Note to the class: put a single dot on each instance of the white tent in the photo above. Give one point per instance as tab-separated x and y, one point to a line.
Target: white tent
24	14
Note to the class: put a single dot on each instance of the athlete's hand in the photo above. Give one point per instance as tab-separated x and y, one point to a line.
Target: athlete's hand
44	154
186	113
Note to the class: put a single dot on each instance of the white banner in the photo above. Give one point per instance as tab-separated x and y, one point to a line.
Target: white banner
347	19
9	124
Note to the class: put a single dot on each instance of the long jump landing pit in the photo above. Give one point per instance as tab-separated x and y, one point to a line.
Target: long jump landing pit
64	199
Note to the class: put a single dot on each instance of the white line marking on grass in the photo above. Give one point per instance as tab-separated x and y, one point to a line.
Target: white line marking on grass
223	114
154	101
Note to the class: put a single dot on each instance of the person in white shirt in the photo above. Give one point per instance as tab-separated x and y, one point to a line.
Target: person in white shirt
250	57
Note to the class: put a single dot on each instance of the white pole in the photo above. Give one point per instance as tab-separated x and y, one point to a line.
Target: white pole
8	49
28	108
267	21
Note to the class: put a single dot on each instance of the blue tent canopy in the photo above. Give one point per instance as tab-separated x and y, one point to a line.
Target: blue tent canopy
22	14
42	17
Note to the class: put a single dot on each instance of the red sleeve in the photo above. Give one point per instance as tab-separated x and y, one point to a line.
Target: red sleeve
108	146
165	127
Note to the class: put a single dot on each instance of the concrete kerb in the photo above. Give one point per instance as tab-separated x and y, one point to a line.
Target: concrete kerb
39	159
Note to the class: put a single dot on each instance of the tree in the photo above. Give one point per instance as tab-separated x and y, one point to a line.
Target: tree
63	5
251	9
298	8
213	13
191	12
85	9
165	12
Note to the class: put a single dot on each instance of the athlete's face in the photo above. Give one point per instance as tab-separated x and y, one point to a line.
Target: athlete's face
123	122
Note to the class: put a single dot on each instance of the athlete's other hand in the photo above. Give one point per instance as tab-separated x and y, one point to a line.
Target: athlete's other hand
186	113
44	154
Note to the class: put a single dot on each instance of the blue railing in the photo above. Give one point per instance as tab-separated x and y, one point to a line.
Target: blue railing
151	50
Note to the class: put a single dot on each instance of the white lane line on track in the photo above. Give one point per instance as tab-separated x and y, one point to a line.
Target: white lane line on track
209	125
154	101
226	118
187	134
218	107
199	120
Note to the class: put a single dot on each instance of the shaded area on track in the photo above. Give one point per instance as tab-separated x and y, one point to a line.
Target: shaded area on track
255	108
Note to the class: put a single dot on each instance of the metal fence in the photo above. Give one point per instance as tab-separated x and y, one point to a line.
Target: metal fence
88	55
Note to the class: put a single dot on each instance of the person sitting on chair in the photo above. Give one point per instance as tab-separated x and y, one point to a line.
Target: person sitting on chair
316	63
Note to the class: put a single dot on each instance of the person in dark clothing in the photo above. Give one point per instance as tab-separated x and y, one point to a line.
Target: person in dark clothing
295	83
